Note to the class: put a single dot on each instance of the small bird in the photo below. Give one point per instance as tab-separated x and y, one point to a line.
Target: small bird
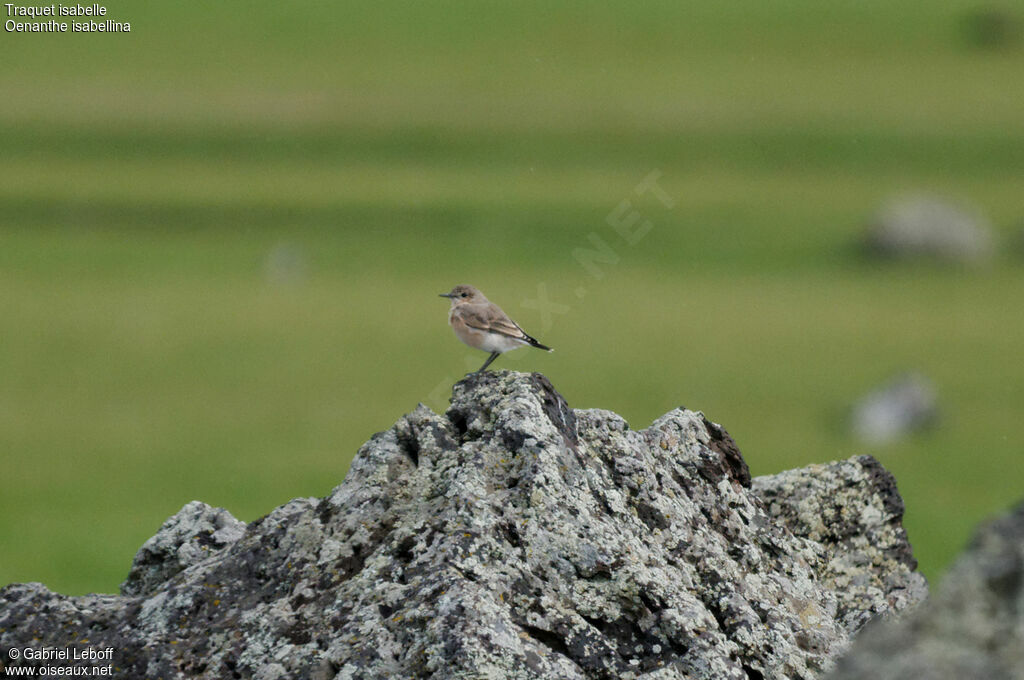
481	324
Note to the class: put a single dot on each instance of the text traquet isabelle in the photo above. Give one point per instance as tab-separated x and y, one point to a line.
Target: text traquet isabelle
55	10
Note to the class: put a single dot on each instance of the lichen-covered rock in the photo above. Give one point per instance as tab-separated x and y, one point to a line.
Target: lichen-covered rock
865	558
511	537
194	534
971	629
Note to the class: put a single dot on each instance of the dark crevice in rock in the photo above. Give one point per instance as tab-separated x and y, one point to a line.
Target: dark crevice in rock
557	411
458	421
650	516
652	604
297	634
231	667
553	641
722	443
442	438
353	564
468	575
634	644
609	629
324	511
403	550
511	534
512	440
753	673
713	607
602	501
684	483
410	443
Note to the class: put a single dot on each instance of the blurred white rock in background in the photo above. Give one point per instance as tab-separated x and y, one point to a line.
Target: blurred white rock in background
903	405
286	264
921	225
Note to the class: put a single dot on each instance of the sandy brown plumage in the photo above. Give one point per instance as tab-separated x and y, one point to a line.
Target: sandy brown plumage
481	324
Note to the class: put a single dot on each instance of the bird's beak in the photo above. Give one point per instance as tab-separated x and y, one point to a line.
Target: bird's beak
447	295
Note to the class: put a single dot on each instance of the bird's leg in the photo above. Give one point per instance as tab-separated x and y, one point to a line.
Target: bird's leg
494	355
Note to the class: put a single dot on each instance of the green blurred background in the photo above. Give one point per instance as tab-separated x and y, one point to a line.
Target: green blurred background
222	237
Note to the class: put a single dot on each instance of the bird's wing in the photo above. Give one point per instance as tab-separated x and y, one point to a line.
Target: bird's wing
489	317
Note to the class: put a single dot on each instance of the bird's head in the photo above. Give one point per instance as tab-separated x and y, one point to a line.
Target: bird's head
464	294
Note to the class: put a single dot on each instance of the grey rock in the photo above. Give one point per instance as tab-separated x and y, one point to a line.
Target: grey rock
933	227
194	534
971	629
905	404
511	537
827	505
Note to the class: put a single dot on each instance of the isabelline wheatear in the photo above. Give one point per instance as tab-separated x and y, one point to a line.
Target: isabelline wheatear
481	324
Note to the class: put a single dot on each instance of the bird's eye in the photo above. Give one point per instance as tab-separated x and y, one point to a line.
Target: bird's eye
465	294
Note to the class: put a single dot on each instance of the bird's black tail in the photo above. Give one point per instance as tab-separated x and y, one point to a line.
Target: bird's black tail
533	343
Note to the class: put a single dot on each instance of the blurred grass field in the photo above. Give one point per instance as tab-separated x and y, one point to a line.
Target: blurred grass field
222	237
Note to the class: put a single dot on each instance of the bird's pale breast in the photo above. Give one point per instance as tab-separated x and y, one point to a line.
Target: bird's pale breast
478	339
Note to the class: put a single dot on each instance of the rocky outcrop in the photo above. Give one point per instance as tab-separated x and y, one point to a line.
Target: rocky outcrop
510	537
971	629
930	227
